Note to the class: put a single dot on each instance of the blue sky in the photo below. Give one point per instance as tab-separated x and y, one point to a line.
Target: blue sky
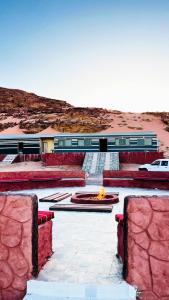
111	53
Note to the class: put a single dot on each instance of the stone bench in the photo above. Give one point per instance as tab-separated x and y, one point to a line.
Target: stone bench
151	178
28	179
45	179
143	245
44	237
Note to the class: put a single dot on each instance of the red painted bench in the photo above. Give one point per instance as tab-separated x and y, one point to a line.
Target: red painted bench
44	237
44	216
45	179
120	248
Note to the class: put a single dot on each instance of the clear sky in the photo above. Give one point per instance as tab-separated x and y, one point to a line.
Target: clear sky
106	53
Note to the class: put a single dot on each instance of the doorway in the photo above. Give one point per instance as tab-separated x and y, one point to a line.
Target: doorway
20	147
44	147
103	145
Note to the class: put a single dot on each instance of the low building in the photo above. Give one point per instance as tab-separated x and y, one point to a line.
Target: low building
96	142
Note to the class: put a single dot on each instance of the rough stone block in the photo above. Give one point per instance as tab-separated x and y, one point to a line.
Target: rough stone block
146	245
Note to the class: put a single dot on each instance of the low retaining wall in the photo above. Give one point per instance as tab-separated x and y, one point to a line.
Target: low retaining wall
68	158
139	157
18	244
2	156
146	245
29	157
139	179
13	181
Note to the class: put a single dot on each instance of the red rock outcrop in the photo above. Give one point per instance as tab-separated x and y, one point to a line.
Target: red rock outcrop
35	113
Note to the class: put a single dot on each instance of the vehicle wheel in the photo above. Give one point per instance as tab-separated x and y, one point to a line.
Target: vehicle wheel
143	169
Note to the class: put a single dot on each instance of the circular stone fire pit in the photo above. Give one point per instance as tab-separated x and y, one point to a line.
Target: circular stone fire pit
91	198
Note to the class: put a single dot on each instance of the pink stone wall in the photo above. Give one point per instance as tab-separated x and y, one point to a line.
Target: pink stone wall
146	245
17	216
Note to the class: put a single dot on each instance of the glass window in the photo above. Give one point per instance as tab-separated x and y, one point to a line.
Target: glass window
68	143
133	141
81	143
122	142
140	142
164	163
156	163
112	140
148	141
117	142
61	143
95	140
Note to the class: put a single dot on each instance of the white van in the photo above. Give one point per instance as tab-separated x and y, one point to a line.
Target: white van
157	165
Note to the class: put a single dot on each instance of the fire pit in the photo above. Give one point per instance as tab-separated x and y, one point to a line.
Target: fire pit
95	198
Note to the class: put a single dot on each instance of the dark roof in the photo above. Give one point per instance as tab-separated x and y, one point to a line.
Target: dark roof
72	135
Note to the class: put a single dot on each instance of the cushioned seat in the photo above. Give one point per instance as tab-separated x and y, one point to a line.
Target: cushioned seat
119	217
44	216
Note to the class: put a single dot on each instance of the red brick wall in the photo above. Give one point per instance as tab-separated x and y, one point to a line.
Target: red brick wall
29	157
146	244
68	158
139	157
41	174
135	174
139	179
13	181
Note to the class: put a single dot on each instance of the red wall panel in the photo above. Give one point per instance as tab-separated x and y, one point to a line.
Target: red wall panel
139	179
68	158
139	157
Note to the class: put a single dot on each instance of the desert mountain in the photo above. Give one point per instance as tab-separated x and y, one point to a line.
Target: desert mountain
32	114
22	112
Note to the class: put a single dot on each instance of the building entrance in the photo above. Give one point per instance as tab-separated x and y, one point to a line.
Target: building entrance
20	147
103	145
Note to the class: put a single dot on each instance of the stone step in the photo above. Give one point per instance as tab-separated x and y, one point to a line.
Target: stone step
97	162
9	159
63	291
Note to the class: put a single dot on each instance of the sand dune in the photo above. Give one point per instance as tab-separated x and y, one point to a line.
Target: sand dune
12	130
49	130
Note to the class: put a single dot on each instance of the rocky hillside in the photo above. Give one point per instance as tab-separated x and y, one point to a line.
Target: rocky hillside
34	113
22	112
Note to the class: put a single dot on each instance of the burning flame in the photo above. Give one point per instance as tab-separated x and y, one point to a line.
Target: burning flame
102	193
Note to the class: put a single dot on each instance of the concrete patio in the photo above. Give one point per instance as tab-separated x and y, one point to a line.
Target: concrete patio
85	244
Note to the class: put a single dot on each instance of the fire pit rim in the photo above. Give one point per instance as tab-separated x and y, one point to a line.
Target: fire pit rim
82	199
